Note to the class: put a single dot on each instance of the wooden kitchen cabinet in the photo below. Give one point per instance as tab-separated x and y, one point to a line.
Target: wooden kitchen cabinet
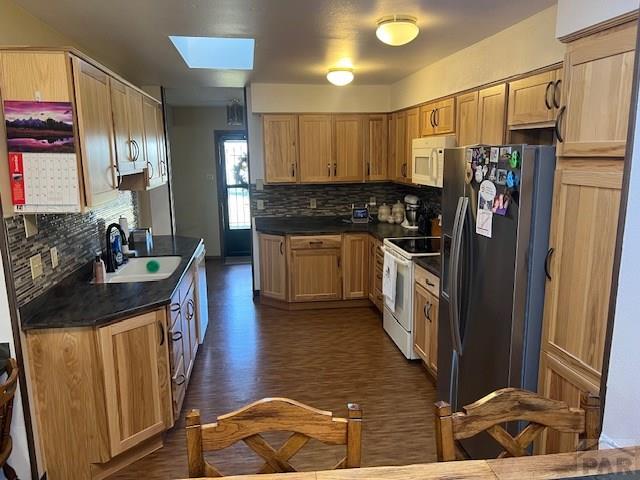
348	148
273	266
280	135
124	148
412	131
316	148
376	148
598	78
425	318
375	272
162	145
533	101
437	118
467	119
95	129
130	361
315	272
398	160
153	137
355	266
491	114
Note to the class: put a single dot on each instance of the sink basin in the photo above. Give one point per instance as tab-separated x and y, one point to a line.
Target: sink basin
135	270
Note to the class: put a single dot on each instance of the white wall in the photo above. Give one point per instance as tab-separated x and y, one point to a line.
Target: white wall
521	48
622	416
283	98
576	15
193	164
19	458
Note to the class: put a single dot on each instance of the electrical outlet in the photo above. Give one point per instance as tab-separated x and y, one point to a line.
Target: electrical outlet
36	266
211	177
260	185
372	201
260	204
54	257
313	203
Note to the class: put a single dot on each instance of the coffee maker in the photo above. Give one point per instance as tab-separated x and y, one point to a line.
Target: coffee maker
411	212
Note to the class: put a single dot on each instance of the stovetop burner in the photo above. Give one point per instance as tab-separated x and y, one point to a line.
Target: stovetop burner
418	245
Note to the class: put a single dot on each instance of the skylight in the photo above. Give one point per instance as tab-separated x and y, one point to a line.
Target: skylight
215	52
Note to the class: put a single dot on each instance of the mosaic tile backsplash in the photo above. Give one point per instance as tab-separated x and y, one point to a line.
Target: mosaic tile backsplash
333	200
76	236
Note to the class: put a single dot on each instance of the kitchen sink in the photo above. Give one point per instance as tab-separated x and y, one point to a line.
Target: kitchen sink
135	270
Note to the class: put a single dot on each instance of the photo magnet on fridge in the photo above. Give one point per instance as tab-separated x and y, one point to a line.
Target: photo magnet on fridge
484	219
495	155
501	204
505	153
501	176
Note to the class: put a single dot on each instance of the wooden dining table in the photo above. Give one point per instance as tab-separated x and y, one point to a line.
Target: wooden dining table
540	467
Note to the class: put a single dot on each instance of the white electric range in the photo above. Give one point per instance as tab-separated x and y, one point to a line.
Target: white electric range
398	314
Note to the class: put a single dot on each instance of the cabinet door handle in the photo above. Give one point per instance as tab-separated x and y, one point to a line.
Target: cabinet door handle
437	117
163	168
547	263
425	311
431	117
328	169
175	307
293	169
181	381
191	309
136	153
368	169
403	170
558	125
335	169
281	248
130	156
161	328
546	95
557	93
150	170
176	336
115	171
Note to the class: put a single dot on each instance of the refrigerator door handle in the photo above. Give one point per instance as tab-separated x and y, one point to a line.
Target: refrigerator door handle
454	274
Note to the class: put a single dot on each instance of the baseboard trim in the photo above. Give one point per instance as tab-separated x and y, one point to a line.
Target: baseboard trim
101	471
332	304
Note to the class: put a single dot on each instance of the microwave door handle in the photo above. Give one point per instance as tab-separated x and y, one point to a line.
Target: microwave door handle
454	267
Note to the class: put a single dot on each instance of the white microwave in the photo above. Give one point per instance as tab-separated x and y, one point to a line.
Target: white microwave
427	156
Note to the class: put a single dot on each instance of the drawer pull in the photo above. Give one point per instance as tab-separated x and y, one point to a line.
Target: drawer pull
316	242
190	309
175	307
182	378
176	336
429	284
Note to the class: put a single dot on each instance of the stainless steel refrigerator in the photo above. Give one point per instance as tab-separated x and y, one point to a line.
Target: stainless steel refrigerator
492	294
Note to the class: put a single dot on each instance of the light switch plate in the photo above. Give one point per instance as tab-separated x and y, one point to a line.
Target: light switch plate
313	203
54	257
36	266
260	204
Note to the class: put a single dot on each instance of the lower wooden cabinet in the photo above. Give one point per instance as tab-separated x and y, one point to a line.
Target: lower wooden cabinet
375	272
355	266
425	319
315	275
273	266
131	362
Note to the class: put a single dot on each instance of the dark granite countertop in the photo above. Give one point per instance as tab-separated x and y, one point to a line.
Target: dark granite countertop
75	302
432	264
329	225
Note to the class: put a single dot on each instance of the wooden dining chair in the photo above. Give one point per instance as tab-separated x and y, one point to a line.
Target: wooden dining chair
271	415
508	405
7	394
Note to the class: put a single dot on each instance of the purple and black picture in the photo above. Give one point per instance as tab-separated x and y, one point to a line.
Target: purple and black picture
39	127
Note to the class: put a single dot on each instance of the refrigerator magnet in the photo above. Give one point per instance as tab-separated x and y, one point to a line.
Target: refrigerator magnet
468	155
514	159
479	176
484	223
493	175
495	155
501	175
501	204
505	152
468	173
486	194
512	180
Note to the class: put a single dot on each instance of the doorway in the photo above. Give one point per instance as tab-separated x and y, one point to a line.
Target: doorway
233	192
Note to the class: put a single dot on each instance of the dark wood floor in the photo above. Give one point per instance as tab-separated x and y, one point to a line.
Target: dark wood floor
325	358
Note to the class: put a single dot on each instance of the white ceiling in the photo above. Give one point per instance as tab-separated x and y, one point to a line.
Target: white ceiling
296	40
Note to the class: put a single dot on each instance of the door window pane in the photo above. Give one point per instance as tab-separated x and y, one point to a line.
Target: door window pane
238	208
237	167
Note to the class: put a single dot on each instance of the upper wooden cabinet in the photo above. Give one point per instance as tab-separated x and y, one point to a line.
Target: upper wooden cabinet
280	134
95	128
316	148
438	118
467	119
376	151
533	101
355	266
598	77
398	170
152	138
42	76
130	362
273	266
349	139
491	114
412	131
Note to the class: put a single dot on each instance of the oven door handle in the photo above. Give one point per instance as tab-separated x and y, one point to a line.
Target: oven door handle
454	274
400	261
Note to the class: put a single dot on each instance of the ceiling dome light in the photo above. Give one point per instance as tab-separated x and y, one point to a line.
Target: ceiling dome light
340	76
396	30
